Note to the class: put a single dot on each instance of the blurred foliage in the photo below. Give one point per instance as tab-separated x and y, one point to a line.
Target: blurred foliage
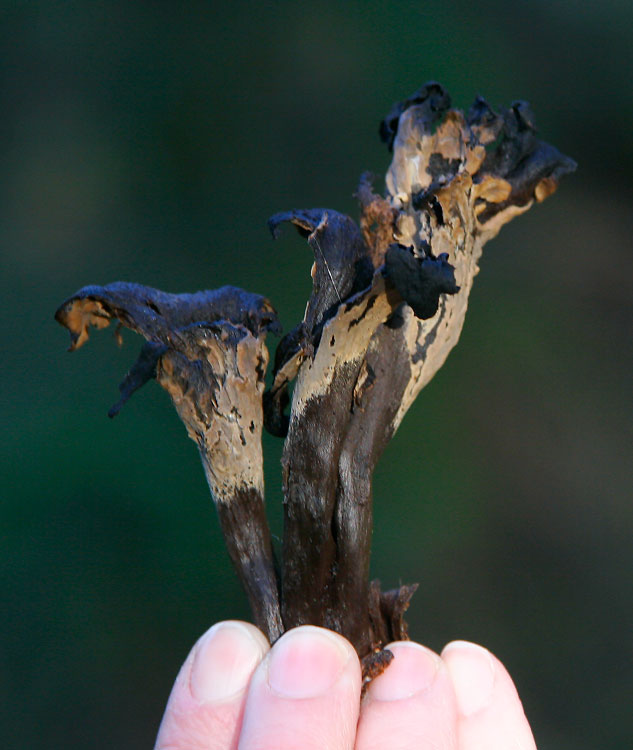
150	142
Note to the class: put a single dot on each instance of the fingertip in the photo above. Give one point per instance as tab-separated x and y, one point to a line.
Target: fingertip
411	704
490	711
305	693
224	658
414	668
207	699
306	662
473	672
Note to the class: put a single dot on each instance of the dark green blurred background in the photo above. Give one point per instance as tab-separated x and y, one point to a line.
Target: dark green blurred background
150	142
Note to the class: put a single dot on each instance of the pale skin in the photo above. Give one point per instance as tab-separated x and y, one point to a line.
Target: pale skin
235	692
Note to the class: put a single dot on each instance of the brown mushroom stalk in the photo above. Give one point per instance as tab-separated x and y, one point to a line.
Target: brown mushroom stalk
361	357
207	351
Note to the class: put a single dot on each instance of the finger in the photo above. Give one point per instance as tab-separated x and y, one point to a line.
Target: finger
206	704
490	712
305	694
411	705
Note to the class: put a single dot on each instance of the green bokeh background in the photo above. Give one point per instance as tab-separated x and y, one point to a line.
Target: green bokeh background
150	142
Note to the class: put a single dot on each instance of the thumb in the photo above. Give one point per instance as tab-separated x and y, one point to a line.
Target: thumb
206	704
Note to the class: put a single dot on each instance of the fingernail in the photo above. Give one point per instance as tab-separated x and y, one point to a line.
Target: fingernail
412	670
306	662
225	659
472	671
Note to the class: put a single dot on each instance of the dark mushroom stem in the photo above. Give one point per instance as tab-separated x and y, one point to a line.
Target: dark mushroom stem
245	528
388	305
216	382
207	351
328	369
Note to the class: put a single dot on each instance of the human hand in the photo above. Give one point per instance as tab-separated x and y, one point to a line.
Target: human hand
234	691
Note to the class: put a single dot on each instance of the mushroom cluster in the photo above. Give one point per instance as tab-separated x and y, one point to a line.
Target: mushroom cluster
388	304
